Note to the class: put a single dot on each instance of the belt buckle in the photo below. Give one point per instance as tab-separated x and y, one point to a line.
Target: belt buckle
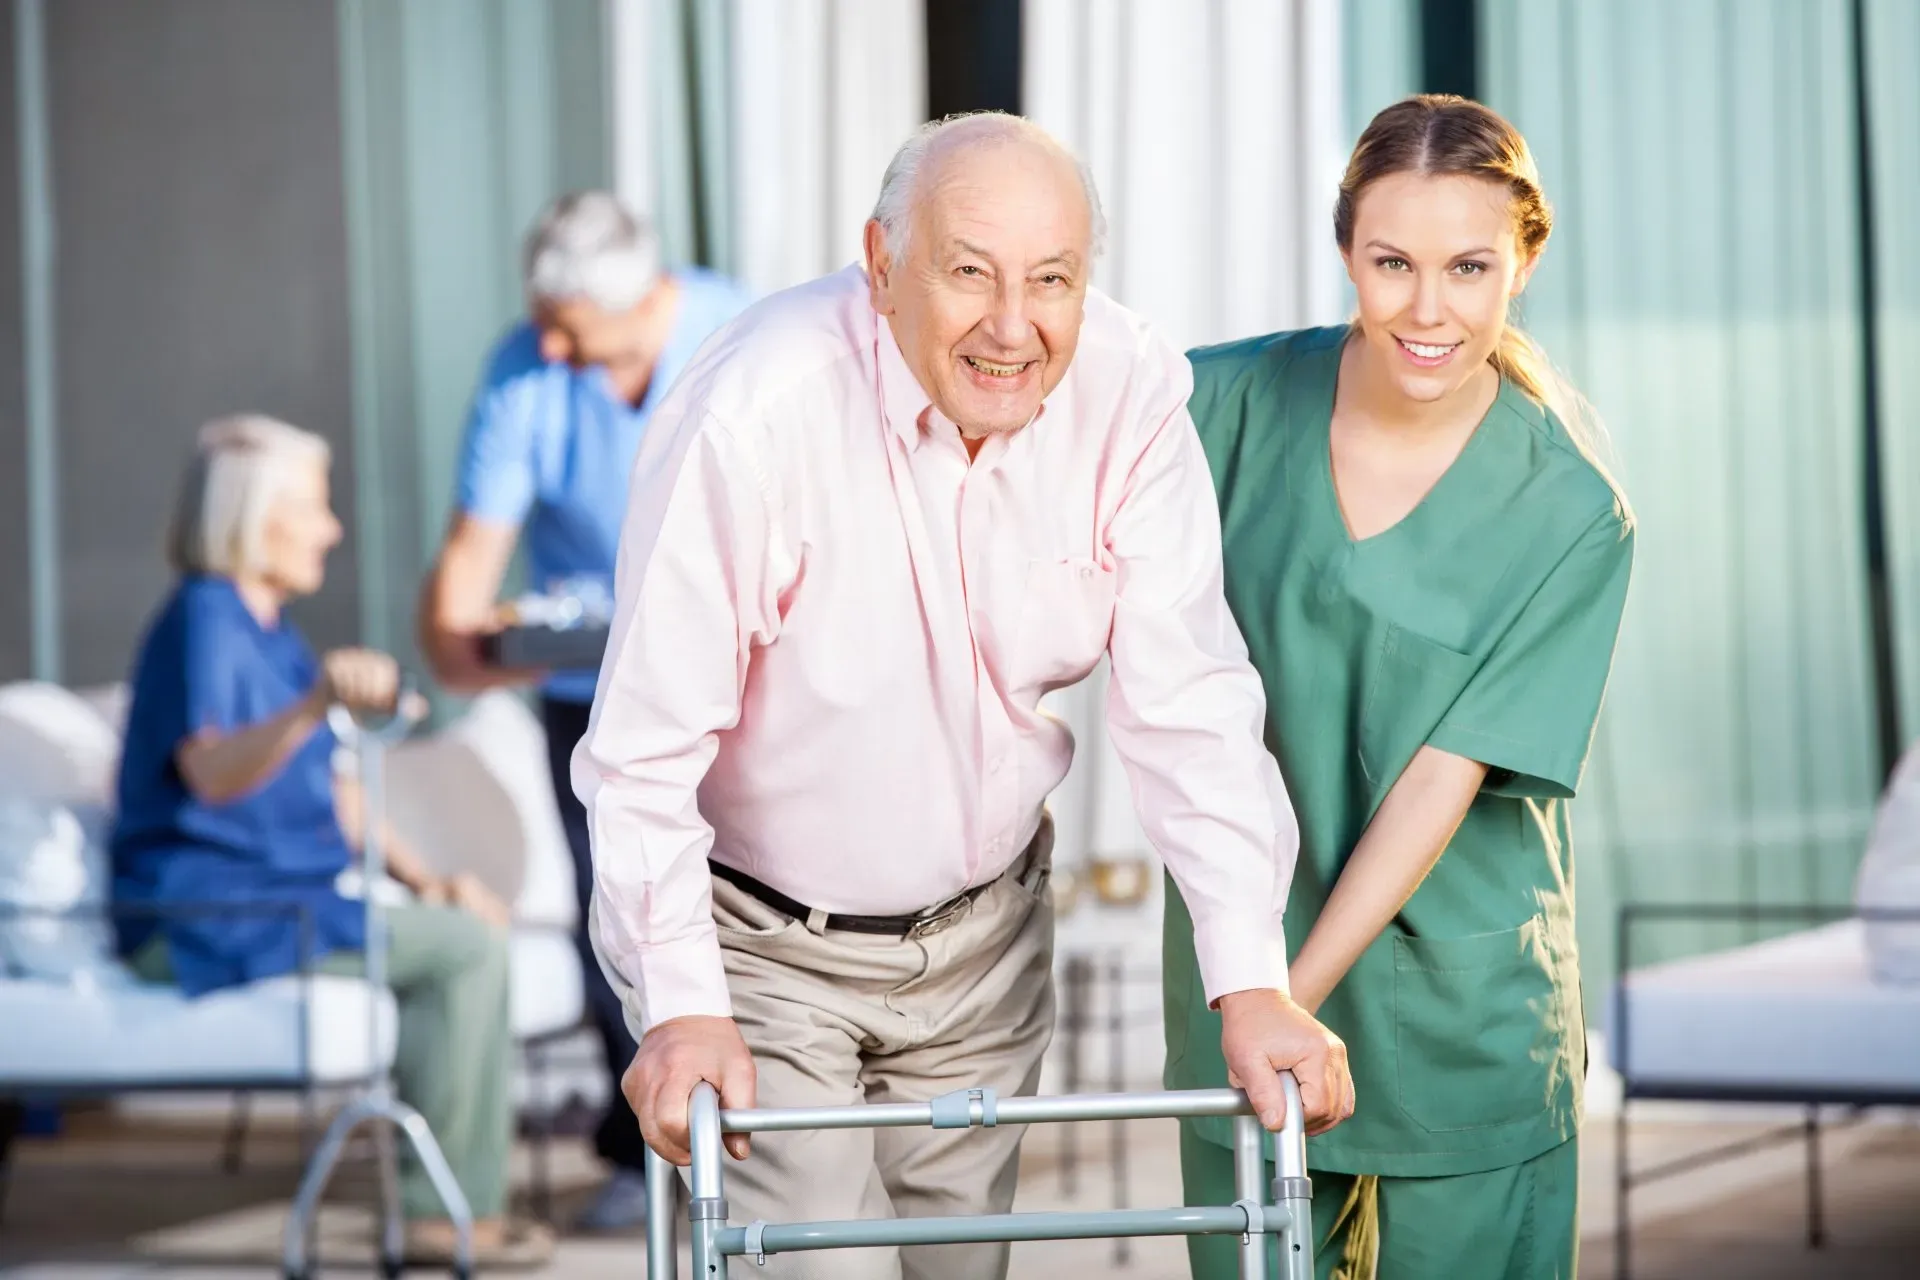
943	920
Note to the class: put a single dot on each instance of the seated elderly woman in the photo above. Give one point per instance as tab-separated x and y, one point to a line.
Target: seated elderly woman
227	791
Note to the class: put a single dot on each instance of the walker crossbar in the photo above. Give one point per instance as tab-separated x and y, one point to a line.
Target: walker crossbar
1285	1213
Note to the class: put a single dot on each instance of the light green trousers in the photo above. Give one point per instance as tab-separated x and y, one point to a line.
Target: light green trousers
1516	1223
448	972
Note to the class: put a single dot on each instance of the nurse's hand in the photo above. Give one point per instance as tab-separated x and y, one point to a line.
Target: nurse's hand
675	1056
1263	1033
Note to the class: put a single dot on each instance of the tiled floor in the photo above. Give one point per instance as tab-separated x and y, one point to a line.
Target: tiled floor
113	1204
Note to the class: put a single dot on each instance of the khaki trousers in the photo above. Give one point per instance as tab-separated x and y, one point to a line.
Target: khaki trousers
835	1018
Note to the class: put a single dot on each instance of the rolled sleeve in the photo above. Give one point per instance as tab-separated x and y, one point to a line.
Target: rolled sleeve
1562	641
494	479
1186	712
694	594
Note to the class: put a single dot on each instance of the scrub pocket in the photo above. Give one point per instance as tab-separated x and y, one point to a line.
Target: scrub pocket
1481	1026
1411	686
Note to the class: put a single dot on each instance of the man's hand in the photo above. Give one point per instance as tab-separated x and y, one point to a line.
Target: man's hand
1264	1032
674	1057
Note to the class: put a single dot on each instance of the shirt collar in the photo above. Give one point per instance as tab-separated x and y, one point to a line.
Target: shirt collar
903	400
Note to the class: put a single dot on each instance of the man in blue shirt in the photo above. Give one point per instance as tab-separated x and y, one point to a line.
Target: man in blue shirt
565	399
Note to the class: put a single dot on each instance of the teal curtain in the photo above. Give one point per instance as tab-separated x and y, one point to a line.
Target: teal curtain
1893	96
461	119
1702	287
1382	62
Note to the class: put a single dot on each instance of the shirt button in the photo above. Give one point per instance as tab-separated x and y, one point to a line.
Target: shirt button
998	761
1086	571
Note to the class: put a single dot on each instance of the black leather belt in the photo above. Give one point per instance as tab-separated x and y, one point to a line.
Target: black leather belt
930	921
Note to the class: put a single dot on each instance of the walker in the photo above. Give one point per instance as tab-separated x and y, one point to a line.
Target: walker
369	741
1286	1213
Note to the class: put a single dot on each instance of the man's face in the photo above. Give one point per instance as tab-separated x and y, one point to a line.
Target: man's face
580	332
987	301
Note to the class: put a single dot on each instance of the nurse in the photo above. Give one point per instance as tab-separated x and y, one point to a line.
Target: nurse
1429	566
566	397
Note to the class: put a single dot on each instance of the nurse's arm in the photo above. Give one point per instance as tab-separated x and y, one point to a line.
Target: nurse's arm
1399	847
457	606
219	767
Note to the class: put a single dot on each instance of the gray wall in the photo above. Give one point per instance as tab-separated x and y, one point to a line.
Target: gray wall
196	157
15	619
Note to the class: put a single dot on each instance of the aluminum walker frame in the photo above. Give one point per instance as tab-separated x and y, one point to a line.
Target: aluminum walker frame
377	1105
1286	1213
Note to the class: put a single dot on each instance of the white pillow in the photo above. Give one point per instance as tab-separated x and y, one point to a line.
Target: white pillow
1889	877
506	736
53	860
55	746
445	801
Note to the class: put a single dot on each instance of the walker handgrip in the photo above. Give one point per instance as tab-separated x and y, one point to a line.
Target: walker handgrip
409	708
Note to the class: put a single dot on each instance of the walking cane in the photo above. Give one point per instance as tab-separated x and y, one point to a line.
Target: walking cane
377	1105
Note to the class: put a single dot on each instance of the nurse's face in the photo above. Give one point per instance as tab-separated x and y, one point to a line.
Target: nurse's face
1435	261
300	531
580	332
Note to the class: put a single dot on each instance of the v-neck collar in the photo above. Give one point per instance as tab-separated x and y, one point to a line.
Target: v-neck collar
1325	393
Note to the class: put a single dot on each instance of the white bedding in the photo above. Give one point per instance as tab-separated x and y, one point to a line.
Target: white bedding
1800	1013
151	1035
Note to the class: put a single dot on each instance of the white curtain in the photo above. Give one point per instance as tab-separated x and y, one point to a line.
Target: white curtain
1216	132
755	132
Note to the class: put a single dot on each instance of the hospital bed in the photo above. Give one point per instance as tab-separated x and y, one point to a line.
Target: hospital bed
1798	1019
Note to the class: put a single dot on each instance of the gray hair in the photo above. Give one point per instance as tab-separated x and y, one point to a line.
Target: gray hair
240	467
898	189
590	245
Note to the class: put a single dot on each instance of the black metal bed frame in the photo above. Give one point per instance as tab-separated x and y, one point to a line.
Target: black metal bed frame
1807	1130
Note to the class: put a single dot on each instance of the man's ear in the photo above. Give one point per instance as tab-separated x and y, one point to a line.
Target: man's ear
879	268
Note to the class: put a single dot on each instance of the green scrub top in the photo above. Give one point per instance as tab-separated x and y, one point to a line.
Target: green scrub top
1483	623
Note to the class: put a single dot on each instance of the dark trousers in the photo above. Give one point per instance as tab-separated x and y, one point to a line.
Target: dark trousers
618	1138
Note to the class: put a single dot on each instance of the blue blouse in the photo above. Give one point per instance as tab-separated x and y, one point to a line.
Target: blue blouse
207	662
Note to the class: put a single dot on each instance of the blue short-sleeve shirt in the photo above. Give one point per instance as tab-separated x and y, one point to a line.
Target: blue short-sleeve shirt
207	663
550	446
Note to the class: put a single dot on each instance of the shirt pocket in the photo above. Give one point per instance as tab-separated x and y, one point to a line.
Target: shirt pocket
1411	685
1066	617
1480	1025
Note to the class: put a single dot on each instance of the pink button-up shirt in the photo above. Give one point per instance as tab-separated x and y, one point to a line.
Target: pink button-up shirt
833	632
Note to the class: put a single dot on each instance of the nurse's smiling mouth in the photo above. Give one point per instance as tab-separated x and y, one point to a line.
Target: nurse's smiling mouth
1427	355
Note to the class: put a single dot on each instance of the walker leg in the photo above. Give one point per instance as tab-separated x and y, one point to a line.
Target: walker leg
447	1187
1249	1166
392	1234
662	1250
707	1214
297	1248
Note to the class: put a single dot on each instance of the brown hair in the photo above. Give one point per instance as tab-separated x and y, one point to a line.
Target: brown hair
1441	134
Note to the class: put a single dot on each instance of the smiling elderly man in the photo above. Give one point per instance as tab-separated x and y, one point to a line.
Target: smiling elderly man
875	522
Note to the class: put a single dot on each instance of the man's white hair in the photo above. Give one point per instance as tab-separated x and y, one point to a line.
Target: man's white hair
589	245
241	465
901	185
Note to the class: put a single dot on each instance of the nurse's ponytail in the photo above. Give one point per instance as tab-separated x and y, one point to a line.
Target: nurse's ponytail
1440	134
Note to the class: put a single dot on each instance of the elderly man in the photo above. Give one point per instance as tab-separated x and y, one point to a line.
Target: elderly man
565	400
873	526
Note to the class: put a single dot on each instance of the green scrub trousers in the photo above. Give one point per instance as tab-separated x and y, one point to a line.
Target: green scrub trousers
1482	624
448	972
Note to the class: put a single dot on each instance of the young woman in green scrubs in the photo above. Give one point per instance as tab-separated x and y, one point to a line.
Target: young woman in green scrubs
1428	565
